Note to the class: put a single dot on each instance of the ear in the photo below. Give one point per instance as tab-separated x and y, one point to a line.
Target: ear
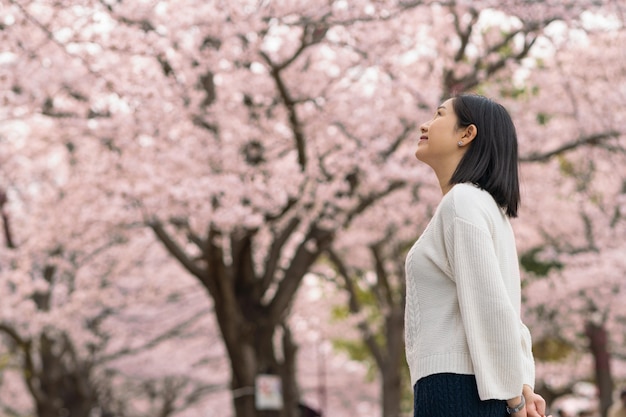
469	133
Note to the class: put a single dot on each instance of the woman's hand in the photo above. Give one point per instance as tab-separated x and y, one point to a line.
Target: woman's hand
535	404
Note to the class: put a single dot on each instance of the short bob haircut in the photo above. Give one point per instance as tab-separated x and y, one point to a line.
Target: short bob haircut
491	161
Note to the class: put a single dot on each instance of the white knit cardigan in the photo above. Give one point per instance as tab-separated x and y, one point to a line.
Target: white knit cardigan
463	297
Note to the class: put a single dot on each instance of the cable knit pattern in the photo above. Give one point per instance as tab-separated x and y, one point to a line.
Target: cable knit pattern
451	395
463	297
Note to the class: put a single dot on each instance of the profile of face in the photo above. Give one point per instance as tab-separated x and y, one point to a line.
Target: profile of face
442	141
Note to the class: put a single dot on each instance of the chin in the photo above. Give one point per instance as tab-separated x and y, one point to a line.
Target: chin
422	158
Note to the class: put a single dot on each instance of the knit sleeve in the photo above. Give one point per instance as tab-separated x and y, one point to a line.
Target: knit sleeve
527	356
497	342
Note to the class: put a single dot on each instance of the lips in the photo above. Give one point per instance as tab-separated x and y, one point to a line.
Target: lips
424	137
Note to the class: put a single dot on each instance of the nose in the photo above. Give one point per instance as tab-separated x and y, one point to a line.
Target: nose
424	127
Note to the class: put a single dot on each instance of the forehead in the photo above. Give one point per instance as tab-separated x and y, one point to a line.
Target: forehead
447	104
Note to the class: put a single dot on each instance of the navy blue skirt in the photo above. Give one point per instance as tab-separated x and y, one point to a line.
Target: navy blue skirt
450	395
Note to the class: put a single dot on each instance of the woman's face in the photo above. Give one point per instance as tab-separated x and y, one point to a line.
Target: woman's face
440	136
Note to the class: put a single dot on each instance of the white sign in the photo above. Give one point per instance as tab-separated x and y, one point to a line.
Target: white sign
268	392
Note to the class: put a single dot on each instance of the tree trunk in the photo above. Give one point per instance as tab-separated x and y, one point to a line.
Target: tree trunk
392	371
249	319
249	332
391	391
598	344
65	389
259	357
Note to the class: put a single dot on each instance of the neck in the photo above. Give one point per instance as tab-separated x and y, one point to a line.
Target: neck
444	174
445	187
444	170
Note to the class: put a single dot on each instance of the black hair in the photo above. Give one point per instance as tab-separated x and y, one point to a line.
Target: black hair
490	161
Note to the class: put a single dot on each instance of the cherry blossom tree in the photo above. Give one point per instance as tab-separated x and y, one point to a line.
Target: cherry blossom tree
64	320
574	289
60	325
299	199
253	138
502	73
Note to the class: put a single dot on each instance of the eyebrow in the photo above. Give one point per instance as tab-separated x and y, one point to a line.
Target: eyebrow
441	107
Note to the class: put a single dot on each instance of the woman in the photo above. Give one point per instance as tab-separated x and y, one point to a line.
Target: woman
468	352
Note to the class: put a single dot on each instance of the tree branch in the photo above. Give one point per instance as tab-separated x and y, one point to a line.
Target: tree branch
12	333
8	237
301	262
271	262
28	367
464	35
371	199
175	250
242	262
173	331
382	290
290	104
454	84
312	33
566	247
591	140
408	128
355	307
290	203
